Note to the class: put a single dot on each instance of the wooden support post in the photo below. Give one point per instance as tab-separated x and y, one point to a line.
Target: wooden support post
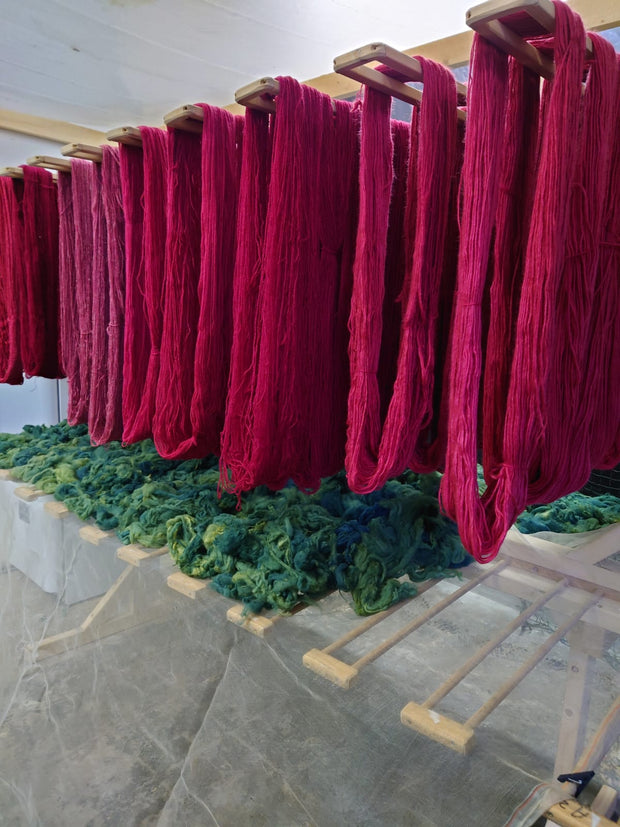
605	802
182	583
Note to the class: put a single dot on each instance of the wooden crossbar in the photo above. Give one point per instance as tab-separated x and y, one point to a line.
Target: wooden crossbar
355	65
506	24
259	95
128	135
84	151
12	172
188	117
49	162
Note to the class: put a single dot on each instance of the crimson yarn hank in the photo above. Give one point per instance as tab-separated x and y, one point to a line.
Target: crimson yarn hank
220	186
385	446
333	283
115	241
236	437
566	462
172	427
605	344
148	306
283	427
136	337
82	184
514	210
100	308
11	281
69	324
547	307
365	323
39	330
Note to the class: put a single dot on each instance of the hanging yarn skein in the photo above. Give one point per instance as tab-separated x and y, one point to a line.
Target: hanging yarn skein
82	182
136	339
374	453
283	427
11	281
605	347
220	188
39	329
175	386
252	209
566	464
533	408
100	309
115	238
69	323
148	307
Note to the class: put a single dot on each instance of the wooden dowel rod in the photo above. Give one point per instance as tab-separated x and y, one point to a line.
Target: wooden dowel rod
497	697
372	621
12	172
425	616
492	644
128	135
84	151
48	162
188	117
259	94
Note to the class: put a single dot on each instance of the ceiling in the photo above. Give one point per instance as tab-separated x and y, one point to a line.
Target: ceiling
103	63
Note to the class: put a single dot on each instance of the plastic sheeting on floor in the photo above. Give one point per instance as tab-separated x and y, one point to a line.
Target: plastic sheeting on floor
190	720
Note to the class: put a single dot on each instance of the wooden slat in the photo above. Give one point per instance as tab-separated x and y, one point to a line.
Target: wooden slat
84	151
12	172
188	117
128	135
93	534
135	554
49	162
62	132
182	583
259	94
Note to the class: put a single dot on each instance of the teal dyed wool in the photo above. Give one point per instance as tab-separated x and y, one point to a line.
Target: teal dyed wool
278	549
571	514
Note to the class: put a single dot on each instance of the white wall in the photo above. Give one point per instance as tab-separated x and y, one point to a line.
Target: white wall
36	402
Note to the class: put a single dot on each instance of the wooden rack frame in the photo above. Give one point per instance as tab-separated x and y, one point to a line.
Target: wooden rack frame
259	95
585	599
402	70
188	117
12	172
506	24
49	162
128	135
84	151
